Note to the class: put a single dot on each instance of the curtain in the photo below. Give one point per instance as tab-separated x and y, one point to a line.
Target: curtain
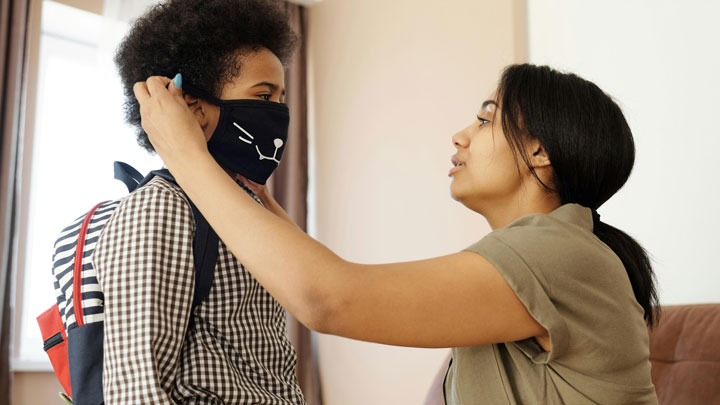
289	186
13	26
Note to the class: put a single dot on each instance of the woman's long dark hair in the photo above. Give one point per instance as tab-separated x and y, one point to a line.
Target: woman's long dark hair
591	150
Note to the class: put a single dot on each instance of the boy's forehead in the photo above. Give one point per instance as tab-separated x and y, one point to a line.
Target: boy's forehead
257	68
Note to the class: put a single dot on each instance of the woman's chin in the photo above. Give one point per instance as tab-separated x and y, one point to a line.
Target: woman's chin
466	197
455	192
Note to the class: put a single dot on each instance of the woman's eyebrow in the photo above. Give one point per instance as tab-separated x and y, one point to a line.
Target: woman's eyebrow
487	103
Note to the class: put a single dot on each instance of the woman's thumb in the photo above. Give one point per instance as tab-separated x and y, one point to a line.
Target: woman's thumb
175	86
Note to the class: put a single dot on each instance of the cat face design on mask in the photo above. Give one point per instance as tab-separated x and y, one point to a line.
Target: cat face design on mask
277	142
261	124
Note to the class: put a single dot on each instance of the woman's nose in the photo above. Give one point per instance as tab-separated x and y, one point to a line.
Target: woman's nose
460	140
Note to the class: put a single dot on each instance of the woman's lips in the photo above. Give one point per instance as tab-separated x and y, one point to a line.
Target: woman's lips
457	165
454	169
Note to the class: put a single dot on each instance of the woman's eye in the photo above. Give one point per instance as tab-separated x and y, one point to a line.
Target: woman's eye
265	97
483	121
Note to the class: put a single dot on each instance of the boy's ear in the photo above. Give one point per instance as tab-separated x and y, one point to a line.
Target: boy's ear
198	108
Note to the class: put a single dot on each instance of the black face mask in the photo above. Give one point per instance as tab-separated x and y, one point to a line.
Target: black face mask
250	136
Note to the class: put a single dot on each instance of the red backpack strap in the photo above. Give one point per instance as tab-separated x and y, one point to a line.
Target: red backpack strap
77	268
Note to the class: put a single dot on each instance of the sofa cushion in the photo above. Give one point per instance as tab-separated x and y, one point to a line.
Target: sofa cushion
685	354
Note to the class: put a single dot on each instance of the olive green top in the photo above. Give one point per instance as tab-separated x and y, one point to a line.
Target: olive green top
577	288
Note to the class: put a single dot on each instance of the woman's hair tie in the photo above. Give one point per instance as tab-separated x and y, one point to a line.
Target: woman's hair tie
595	217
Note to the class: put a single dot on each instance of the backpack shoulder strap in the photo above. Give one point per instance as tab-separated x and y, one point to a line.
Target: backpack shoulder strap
205	247
205	255
164	173
128	175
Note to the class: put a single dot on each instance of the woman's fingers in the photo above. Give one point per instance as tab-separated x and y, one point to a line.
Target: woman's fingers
260	190
141	92
175	86
171	127
157	86
253	185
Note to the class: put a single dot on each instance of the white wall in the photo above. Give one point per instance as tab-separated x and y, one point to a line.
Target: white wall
660	59
392	81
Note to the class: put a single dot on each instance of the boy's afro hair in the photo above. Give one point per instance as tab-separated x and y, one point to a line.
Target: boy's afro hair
201	40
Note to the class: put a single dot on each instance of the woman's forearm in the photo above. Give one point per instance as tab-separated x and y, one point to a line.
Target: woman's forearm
304	279
272	205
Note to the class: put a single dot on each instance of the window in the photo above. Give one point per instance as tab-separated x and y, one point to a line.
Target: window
75	135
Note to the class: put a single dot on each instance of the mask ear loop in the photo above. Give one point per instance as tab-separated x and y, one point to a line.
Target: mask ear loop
204	95
200	93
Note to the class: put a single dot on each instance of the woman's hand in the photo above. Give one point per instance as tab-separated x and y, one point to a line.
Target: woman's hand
173	130
260	190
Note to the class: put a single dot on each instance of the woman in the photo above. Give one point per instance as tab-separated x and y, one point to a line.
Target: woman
550	307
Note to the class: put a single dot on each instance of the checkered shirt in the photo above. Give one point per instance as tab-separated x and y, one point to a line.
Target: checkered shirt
236	353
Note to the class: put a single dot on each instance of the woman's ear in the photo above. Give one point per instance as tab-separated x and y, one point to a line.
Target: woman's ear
538	155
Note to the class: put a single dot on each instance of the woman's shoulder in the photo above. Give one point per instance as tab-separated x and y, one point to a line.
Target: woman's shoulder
559	249
571	218
567	231
567	276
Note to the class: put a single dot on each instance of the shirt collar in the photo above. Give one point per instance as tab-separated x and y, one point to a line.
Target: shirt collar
575	214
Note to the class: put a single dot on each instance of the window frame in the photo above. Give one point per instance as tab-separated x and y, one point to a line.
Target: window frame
29	91
24	175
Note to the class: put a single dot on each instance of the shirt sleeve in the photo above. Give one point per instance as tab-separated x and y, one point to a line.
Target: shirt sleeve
530	286
145	264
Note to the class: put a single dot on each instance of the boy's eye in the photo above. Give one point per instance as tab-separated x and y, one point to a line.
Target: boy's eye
265	97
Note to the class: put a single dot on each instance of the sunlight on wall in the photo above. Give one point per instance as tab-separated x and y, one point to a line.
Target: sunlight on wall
659	60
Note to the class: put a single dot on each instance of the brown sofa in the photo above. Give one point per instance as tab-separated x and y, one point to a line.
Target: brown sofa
684	352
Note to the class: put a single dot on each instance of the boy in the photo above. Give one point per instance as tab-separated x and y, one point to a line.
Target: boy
233	348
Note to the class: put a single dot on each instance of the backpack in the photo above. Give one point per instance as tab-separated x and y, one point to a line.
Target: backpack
72	329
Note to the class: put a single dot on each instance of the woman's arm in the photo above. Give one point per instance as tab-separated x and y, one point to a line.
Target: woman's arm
454	300
266	198
272	205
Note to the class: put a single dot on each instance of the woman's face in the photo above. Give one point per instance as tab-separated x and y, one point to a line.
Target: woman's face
484	172
261	77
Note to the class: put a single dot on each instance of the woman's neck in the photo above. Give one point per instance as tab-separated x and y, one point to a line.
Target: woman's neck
504	213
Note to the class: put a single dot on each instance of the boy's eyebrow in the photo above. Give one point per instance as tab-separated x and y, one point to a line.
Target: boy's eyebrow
272	86
268	84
